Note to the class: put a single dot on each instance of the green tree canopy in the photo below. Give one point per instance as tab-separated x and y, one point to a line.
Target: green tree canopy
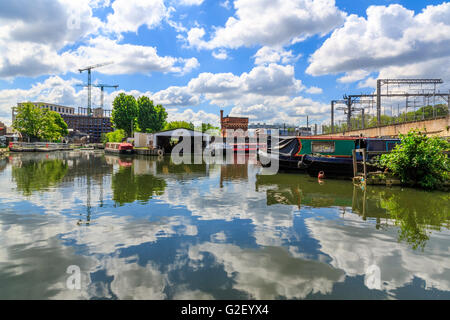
115	136
54	126
207	126
150	118
124	113
39	124
28	120
179	124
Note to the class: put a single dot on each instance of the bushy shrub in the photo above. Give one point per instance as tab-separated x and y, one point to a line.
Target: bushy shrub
419	160
115	136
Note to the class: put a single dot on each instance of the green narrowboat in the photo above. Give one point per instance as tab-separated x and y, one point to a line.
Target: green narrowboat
330	155
290	151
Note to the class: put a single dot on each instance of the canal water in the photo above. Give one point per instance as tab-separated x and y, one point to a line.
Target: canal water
85	225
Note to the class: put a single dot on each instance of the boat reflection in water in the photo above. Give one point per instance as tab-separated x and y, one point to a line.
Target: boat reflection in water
146	228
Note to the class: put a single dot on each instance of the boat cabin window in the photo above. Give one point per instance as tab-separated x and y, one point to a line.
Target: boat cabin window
391	145
322	146
377	145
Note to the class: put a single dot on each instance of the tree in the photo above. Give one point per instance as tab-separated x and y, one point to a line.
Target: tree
207	127
28	120
419	160
124	113
115	136
39	124
150	118
54	126
179	124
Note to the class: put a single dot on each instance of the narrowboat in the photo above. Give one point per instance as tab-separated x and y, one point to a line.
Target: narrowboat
342	166
332	155
119	147
223	148
290	151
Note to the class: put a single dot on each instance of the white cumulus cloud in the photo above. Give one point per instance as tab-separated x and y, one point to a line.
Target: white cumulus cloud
391	38
271	23
129	15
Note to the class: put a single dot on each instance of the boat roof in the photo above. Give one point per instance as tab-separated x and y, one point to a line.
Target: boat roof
124	142
320	137
337	138
382	139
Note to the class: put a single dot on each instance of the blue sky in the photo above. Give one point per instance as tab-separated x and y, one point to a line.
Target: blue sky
273	61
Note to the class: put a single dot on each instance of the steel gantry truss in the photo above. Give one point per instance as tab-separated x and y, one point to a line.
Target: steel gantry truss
350	100
381	82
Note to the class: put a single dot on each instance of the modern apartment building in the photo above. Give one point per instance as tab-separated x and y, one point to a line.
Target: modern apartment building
50	106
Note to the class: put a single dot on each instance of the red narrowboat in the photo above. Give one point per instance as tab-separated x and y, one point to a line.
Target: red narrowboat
119	147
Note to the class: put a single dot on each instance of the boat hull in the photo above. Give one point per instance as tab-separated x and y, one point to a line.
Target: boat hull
333	167
284	163
116	151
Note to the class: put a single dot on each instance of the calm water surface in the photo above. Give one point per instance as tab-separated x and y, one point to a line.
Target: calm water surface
143	228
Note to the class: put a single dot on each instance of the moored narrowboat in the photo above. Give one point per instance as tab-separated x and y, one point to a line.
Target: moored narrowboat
333	166
119	147
332	155
290	151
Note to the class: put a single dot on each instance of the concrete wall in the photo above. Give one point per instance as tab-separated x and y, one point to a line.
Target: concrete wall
435	127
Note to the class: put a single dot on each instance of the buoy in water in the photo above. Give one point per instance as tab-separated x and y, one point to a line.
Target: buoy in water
321	175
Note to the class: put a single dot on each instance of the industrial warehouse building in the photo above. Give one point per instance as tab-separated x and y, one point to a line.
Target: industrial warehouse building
93	125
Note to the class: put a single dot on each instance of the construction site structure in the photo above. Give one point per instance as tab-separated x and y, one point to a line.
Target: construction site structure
89	83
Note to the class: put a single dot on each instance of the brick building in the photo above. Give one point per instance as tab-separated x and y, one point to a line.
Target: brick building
232	123
2	129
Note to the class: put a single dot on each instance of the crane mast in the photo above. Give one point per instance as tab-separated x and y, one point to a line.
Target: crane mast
89	84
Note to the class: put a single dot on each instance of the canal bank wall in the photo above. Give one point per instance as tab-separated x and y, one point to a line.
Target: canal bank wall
432	127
